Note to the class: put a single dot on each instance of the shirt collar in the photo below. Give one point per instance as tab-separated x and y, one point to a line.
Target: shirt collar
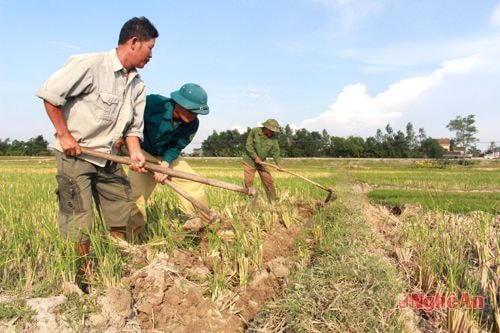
117	65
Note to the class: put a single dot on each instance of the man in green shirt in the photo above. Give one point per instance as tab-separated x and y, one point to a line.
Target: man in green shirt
169	126
262	142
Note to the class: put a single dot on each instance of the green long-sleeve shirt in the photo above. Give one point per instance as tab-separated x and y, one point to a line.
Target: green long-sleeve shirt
260	145
161	137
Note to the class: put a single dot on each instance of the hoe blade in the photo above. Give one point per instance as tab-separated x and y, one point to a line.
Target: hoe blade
331	196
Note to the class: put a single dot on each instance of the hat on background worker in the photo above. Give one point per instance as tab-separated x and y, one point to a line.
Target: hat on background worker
272	125
191	97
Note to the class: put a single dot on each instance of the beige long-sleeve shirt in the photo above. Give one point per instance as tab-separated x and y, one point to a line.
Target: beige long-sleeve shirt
100	101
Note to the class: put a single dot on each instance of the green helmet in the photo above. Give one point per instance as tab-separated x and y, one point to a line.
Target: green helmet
191	97
272	124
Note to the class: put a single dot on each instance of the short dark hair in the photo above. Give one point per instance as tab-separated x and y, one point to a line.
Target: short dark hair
139	27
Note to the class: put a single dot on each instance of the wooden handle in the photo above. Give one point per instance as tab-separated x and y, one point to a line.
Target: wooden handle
210	215
172	173
300	176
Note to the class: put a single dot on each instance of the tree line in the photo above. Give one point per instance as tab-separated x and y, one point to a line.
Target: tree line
304	143
299	143
36	146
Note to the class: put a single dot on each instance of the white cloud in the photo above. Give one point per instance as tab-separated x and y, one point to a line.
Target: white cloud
294	127
495	16
65	46
356	113
239	128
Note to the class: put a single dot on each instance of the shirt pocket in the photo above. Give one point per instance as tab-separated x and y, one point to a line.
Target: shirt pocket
107	105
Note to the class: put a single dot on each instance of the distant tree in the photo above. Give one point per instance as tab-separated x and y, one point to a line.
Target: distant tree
285	141
16	148
411	137
430	148
4	146
325	143
379	136
388	142
475	152
229	143
37	146
355	146
421	136
339	147
491	148
465	131
300	141
400	145
33	147
314	145
388	131
373	147
209	146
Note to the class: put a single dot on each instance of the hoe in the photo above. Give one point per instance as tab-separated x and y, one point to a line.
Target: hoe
209	214
331	194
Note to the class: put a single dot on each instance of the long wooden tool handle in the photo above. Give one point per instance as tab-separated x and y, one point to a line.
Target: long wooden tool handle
205	211
300	176
172	173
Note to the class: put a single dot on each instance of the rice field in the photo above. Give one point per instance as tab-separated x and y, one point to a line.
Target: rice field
443	240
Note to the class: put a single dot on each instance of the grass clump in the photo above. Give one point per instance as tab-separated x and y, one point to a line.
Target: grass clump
453	202
14	314
16	309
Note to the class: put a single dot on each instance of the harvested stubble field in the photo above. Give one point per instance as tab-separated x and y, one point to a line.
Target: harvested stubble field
398	228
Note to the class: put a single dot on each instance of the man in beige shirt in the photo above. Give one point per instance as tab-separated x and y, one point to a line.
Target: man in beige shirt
94	101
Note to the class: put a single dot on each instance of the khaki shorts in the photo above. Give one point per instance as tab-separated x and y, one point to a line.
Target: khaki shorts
144	184
79	184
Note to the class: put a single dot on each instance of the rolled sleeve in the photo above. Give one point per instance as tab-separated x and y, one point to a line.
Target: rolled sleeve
70	81
47	95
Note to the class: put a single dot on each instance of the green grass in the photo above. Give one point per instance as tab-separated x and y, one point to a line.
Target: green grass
16	309
453	202
346	286
463	180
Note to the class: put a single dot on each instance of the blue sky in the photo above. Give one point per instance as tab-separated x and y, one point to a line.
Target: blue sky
347	66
